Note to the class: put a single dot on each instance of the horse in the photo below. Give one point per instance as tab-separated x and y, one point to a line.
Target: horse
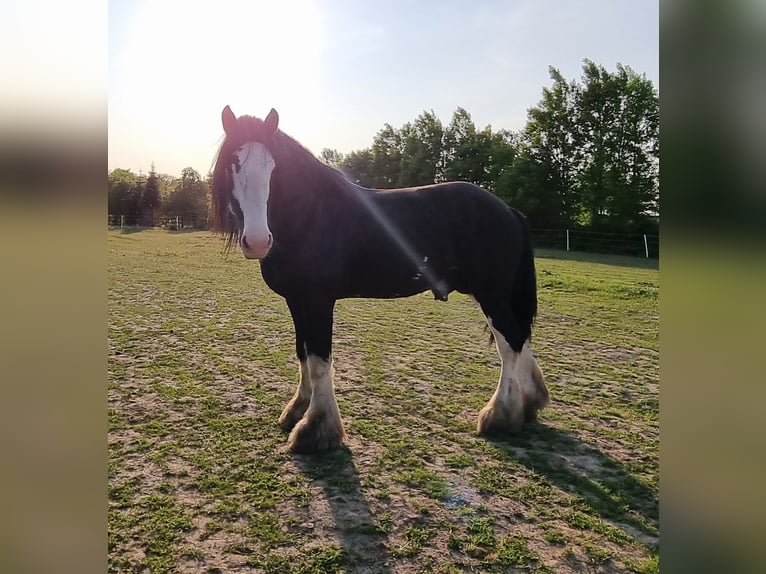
320	238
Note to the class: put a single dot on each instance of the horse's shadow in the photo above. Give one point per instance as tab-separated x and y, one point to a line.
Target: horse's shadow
362	539
604	484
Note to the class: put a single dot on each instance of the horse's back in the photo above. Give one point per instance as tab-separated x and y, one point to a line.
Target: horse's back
456	232
471	218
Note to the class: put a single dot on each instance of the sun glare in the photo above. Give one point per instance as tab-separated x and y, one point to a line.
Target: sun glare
183	62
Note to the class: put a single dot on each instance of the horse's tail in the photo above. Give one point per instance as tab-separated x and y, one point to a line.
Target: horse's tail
524	291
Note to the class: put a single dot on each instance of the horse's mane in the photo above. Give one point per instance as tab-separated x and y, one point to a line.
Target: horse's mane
296	168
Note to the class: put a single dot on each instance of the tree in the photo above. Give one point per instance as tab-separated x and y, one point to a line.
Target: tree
167	183
498	151
552	142
423	150
331	157
588	155
481	157
410	155
460	150
619	130
189	199
150	198
358	167
595	146
526	186
387	150
124	194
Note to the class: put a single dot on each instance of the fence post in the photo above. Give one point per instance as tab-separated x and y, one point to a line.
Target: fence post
177	224
567	240
122	221
646	246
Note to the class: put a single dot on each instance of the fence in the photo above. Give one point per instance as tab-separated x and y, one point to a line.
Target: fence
172	222
637	244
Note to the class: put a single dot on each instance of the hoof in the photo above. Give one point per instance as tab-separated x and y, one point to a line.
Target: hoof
494	420
543	396
292	413
534	404
316	434
535	394
530	413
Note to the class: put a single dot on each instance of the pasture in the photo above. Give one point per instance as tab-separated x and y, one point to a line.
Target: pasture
201	362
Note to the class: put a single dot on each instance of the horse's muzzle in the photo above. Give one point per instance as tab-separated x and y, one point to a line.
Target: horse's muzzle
256	249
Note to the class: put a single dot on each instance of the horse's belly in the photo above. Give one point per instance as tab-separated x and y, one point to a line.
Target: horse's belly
384	288
388	282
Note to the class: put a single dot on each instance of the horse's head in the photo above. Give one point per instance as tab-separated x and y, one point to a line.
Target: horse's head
241	182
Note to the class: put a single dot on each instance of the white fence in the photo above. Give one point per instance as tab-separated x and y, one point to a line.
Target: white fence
637	244
174	222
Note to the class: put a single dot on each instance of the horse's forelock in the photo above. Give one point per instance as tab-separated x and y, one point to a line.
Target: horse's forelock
223	220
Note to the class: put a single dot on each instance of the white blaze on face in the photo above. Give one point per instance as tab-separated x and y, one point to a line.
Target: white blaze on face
251	190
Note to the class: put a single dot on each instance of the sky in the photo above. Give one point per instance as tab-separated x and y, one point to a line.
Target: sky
338	70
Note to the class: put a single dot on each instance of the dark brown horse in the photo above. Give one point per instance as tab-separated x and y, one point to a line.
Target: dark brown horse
321	238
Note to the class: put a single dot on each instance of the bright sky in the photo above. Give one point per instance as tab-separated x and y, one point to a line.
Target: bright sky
337	70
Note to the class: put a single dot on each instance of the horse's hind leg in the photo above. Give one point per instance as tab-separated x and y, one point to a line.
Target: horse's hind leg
505	410
521	391
320	428
533	387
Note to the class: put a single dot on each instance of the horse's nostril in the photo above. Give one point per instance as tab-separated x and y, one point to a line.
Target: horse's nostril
244	242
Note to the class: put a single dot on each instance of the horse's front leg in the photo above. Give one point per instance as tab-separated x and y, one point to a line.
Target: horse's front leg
296	408
320	428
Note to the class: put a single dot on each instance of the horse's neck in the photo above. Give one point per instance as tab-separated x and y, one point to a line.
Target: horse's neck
307	183
299	196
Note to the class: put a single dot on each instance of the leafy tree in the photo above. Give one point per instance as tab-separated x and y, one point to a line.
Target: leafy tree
387	150
331	157
596	148
358	167
481	157
150	198
526	186
189	199
460	149
588	156
167	184
410	155
124	194
551	137
618	121
423	150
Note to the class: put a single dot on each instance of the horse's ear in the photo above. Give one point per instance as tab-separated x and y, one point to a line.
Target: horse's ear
272	121
229	120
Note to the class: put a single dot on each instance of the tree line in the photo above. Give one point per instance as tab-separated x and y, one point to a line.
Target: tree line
143	200
587	158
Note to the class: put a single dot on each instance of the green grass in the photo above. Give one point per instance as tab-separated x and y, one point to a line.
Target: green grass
201	362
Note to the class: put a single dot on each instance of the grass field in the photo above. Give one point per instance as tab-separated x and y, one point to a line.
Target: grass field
201	362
